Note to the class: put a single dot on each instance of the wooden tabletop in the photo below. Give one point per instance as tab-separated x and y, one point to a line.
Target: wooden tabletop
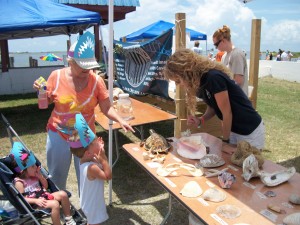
249	197
143	114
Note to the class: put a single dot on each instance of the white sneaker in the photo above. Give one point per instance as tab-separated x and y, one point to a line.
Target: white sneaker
70	221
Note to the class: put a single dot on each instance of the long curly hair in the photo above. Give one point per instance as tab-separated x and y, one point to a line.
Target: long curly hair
187	66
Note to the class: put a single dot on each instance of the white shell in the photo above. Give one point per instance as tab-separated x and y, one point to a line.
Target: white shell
295	199
191	147
228	211
170	168
276	178
191	190
292	219
211	160
250	167
214	195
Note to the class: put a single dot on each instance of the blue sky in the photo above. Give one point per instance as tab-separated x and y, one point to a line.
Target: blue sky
280	23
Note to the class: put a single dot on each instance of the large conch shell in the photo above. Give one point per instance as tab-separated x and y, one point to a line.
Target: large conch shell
276	178
169	169
191	190
214	195
244	149
250	169
191	147
292	219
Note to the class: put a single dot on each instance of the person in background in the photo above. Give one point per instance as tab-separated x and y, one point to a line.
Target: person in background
234	58
289	55
211	56
219	56
197	49
33	186
74	89
211	81
94	170
271	56
284	56
267	55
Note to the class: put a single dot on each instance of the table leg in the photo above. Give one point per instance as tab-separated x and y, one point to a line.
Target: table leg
116	146
169	210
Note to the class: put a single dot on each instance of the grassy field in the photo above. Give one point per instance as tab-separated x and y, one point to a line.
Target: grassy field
137	199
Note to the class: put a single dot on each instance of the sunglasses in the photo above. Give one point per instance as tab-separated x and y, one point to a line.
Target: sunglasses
217	43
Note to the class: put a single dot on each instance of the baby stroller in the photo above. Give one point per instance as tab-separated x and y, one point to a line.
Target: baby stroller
26	213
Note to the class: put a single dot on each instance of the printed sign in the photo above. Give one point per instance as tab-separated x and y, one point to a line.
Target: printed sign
139	65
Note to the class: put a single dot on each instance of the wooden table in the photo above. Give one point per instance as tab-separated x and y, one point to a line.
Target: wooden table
247	196
143	114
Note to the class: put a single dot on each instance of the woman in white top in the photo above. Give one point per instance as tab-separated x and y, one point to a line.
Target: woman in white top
233	58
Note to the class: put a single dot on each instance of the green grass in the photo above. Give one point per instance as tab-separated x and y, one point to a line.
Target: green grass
137	199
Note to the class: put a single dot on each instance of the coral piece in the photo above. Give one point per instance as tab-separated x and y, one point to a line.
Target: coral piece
244	149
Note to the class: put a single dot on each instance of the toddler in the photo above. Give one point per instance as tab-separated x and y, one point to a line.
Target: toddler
33	185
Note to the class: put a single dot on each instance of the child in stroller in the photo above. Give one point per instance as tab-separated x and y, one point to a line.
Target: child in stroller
33	185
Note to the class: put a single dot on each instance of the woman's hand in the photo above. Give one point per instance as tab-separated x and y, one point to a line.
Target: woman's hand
126	126
36	85
193	120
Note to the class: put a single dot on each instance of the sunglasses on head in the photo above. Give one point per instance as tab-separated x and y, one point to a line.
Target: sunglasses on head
217	43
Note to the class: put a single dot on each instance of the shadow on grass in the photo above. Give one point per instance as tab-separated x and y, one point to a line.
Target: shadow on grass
292	162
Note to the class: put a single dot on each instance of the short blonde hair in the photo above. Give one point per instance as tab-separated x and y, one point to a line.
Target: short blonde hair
79	152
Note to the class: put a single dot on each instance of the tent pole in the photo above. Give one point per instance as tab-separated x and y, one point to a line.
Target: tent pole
110	86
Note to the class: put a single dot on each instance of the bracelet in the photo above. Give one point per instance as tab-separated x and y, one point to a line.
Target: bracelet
201	119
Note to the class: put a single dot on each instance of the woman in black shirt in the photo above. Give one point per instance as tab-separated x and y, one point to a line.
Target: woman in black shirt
212	82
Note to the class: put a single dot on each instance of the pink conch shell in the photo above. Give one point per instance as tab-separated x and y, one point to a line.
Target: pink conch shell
191	147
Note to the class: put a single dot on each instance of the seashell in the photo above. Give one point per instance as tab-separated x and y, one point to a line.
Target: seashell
274	208
228	211
186	133
244	149
211	160
250	167
170	168
191	190
292	219
276	178
167	170
214	172
214	195
191	147
295	199
226	179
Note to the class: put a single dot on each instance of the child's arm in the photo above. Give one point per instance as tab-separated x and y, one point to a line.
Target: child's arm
95	172
42	179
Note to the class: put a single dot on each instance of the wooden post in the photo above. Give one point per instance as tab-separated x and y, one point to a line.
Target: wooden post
180	42
4	55
254	58
97	44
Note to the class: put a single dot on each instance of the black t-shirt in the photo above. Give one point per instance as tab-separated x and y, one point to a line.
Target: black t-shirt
244	117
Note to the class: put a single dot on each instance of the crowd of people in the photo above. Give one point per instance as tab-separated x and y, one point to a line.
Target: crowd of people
281	55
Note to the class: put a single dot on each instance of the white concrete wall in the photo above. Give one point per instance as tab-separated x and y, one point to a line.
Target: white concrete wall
284	70
20	80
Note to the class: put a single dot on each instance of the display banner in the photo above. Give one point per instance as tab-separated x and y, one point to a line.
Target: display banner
139	65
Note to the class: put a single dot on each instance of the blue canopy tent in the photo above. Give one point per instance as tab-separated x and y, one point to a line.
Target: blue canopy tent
40	18
155	29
